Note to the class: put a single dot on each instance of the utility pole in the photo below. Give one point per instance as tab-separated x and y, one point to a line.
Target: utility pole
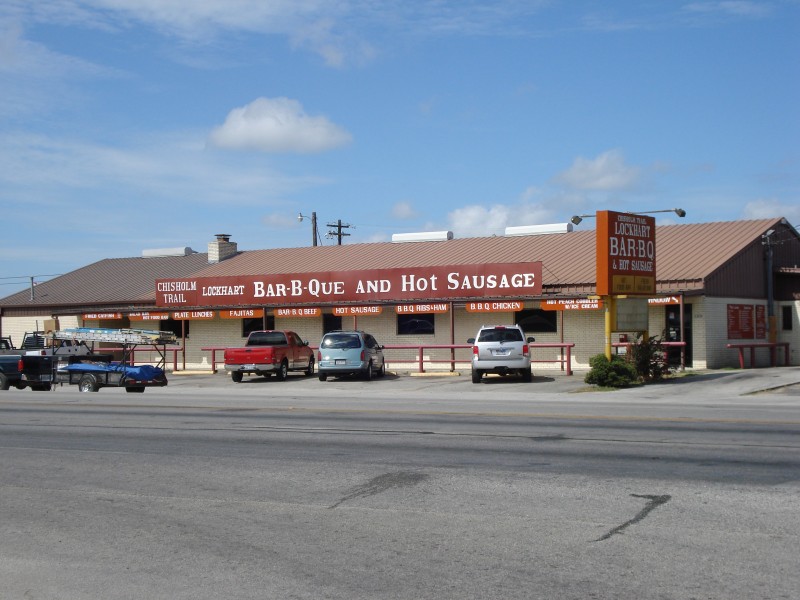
339	234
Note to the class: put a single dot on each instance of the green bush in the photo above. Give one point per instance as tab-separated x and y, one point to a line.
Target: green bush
617	372
649	359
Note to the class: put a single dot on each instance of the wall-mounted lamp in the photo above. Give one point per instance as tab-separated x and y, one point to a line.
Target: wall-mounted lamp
576	219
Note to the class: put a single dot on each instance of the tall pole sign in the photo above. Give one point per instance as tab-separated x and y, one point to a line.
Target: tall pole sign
626	254
626	261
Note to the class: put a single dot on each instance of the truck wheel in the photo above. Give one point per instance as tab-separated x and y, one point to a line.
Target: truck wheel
282	371
88	383
4	385
476	376
236	376
310	369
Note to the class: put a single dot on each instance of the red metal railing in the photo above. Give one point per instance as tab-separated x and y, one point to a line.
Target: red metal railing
419	354
773	347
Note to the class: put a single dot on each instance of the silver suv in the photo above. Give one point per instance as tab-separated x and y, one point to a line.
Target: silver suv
501	349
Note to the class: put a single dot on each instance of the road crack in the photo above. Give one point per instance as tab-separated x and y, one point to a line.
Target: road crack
382	483
653	503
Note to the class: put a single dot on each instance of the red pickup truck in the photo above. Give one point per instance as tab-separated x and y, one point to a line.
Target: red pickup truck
268	352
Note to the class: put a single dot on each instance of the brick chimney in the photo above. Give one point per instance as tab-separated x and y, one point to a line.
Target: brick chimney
221	248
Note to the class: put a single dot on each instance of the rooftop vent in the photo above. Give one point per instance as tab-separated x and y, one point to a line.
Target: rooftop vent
539	229
154	252
422	236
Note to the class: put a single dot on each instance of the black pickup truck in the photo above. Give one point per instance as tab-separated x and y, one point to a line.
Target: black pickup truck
21	371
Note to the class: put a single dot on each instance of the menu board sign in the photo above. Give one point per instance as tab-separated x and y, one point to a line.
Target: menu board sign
740	322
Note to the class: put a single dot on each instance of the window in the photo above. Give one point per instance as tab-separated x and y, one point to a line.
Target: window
176	327
536	320
415	325
786	318
331	323
256	324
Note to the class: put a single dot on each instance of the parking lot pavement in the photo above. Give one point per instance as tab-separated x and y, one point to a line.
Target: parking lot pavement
711	383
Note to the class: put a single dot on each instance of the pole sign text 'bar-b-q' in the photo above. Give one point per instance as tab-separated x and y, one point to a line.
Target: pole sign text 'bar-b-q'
497	280
626	254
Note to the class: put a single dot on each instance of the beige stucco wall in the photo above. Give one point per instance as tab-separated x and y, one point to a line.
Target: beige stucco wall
583	328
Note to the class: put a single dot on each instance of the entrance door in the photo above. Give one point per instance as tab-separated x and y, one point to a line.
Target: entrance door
673	332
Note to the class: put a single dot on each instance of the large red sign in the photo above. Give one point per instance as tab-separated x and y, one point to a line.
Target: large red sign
626	254
499	280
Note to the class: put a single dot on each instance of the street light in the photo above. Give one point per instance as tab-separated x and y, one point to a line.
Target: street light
576	219
314	233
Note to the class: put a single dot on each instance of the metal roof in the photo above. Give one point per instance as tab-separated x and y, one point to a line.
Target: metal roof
684	253
686	256
108	283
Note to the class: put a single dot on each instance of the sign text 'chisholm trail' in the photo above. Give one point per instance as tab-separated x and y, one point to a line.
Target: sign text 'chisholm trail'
435	283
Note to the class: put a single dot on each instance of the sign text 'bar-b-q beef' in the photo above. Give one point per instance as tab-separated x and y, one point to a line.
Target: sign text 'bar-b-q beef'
500	280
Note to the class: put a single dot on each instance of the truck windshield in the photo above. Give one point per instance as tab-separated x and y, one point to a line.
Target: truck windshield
266	338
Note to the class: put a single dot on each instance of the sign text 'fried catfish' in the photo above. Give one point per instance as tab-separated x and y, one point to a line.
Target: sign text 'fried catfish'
499	280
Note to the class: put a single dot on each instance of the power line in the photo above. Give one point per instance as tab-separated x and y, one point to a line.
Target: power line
32	276
339	226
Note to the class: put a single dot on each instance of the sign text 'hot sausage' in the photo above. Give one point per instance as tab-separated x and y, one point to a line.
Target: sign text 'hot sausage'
499	280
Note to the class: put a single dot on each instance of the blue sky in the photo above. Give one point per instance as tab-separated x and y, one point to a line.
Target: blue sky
135	124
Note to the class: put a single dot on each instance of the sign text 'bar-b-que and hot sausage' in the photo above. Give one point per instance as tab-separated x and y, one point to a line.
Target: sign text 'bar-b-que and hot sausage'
498	280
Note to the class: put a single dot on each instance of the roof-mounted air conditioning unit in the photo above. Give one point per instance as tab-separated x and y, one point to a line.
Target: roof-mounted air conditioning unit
539	229
422	236
155	252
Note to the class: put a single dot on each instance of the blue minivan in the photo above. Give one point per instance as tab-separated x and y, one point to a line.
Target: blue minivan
350	353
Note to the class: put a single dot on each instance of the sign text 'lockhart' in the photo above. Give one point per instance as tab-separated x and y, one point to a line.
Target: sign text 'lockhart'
430	283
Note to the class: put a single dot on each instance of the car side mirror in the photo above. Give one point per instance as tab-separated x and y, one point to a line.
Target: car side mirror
531	340
305	342
470	340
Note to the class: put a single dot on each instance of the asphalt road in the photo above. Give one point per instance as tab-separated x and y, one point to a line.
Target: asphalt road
404	488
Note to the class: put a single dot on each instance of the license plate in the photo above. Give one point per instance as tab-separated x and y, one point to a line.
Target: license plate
502	352
340	361
46	378
249	366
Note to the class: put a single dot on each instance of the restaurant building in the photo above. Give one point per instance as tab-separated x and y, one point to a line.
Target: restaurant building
716	284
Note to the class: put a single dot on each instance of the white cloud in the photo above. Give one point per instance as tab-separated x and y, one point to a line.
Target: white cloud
608	172
152	168
319	26
404	211
768	208
739	8
280	220
534	207
277	125
476	221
